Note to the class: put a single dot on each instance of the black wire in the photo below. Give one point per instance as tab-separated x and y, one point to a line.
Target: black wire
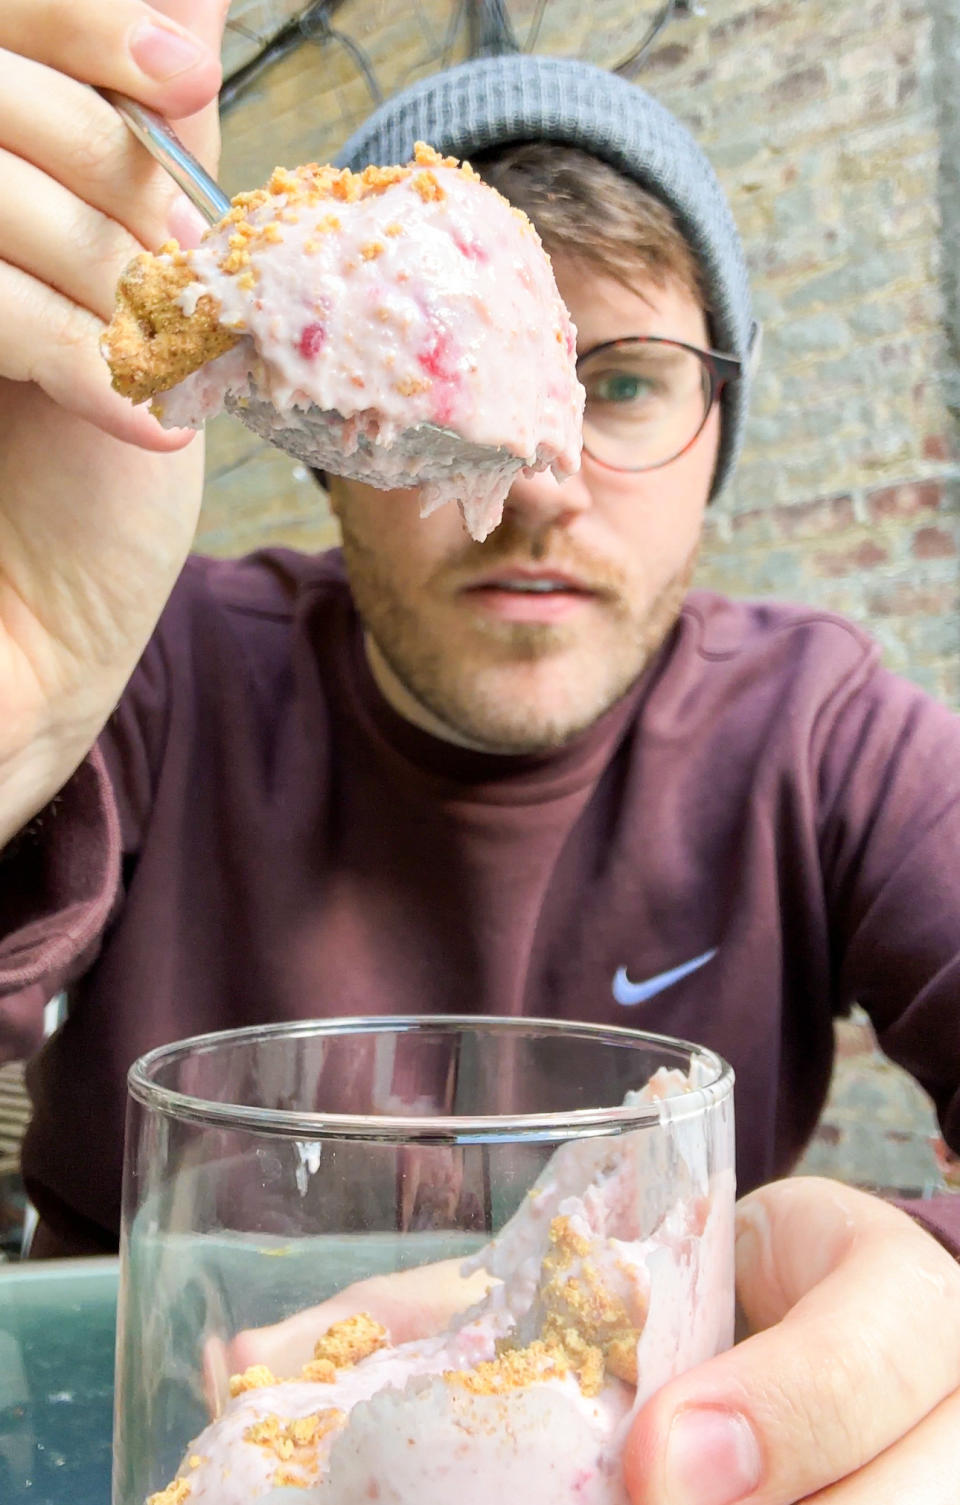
533	31
286	39
453	26
316	23
312	25
640	52
491	32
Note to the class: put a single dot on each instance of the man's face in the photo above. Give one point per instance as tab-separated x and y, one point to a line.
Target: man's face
459	638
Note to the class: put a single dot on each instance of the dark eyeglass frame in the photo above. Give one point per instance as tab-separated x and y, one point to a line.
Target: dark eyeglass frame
720	369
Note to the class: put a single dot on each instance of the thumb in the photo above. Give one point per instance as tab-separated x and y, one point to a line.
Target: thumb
855	1319
206	19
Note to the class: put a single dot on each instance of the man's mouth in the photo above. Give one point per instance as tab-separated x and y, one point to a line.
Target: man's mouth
528	595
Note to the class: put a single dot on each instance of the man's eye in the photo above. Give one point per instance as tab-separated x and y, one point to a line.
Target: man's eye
620	387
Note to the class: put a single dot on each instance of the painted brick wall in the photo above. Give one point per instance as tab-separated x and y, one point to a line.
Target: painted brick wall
833	126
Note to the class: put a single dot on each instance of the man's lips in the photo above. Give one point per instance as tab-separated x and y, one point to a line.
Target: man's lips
536	594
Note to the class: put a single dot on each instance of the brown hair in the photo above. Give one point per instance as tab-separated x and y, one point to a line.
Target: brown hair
584	208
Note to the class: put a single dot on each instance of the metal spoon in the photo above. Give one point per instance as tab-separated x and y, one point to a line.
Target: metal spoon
421	454
163	143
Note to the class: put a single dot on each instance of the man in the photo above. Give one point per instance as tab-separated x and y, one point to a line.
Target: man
532	776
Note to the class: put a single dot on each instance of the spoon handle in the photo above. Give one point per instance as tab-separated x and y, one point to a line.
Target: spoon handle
164	144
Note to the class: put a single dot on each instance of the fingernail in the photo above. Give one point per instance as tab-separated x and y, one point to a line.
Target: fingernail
185	223
162	53
712	1458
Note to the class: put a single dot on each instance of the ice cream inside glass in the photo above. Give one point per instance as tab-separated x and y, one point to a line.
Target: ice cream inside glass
414	1260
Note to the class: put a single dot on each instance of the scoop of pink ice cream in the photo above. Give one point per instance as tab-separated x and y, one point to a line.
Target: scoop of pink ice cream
401	326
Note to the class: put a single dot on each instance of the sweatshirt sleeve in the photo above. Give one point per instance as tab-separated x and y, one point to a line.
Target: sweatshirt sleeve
889	800
61	878
939	1216
58	884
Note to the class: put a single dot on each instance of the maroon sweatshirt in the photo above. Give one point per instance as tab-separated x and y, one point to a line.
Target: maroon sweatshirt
764	830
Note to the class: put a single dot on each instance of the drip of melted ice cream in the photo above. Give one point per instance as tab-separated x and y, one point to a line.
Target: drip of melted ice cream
400	326
529	1395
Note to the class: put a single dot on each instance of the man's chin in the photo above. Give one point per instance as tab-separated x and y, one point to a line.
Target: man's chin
517	716
506	643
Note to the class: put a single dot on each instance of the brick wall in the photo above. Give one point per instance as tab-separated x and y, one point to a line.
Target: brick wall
829	125
835	131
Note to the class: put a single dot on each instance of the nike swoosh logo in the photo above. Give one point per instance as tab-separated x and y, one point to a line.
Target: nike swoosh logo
628	993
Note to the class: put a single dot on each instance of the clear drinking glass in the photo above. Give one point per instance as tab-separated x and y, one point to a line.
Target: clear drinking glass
272	1169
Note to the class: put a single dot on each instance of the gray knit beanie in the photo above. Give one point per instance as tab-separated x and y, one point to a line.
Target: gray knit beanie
519	97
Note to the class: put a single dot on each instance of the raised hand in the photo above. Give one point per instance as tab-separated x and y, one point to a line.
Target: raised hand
97	503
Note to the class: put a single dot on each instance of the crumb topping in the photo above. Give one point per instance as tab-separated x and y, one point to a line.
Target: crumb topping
347	1342
256	1377
428	187
295	1443
287	1438
174	1494
511	1370
408	386
151	344
288	1478
581	1314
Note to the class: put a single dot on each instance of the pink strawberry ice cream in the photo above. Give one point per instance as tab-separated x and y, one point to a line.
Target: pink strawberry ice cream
530	1393
401	326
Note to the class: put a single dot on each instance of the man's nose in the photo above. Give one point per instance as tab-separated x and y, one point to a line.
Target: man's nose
539	500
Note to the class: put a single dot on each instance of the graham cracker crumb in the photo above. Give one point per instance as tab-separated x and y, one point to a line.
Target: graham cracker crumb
410	385
582	1316
428	187
620	1354
285	1478
150	343
511	1369
295	1441
347	1342
174	1494
256	1377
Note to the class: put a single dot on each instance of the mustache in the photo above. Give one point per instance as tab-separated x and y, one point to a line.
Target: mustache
513	544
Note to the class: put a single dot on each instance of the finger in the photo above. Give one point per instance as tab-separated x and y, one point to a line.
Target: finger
125	45
80	142
206	19
47	339
860	1311
62	241
410	1304
922	1469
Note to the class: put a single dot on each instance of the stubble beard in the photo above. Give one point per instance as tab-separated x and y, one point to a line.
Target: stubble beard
467	694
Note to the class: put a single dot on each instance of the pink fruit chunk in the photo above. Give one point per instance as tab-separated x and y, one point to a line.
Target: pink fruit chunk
311	341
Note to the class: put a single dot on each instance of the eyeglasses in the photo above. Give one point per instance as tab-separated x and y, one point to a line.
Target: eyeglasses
648	399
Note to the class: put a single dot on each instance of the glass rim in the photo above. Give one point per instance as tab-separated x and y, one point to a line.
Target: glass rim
439	1129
